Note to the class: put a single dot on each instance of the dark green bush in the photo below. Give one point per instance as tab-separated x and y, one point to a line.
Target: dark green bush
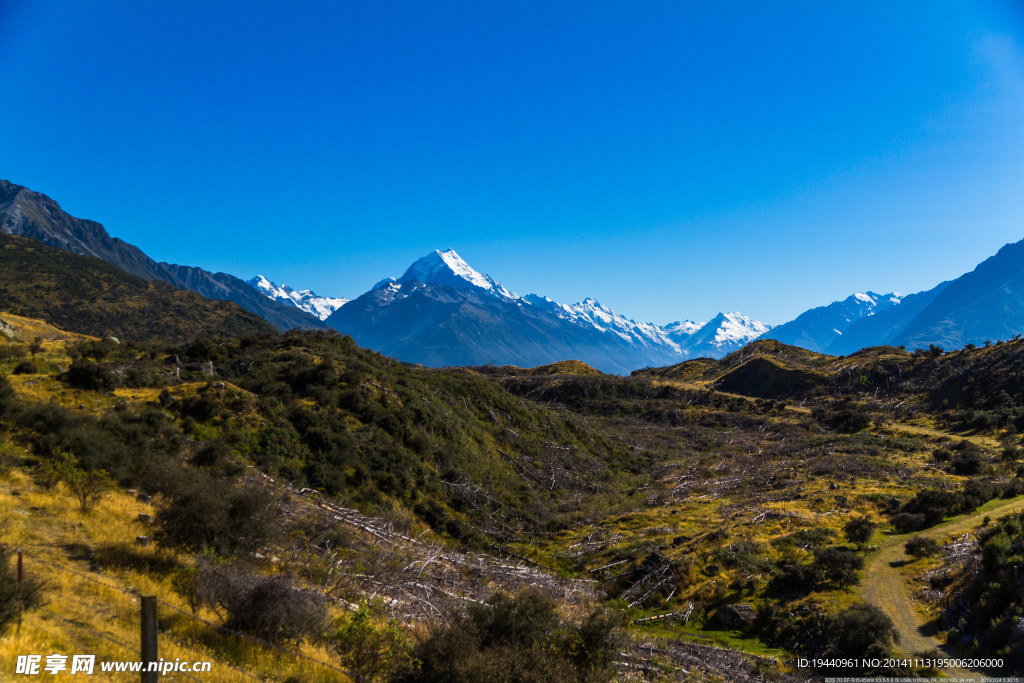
25	367
846	419
91	376
858	530
519	638
919	546
861	631
268	607
839	566
205	512
795	579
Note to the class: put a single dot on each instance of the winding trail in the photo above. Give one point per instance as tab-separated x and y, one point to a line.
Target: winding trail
884	586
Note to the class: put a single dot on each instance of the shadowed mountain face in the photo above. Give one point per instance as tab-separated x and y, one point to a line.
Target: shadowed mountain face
817	328
31	214
985	304
84	294
882	326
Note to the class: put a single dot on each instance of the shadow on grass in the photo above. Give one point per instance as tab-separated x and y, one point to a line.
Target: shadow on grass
138	559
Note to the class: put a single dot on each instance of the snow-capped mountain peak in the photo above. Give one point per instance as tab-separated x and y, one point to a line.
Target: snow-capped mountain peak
448	268
736	327
724	333
305	300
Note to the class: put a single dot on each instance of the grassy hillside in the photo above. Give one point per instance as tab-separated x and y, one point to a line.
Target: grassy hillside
84	294
716	502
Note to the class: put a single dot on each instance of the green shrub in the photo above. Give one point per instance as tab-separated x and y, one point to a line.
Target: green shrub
846	419
519	638
859	530
91	376
839	566
795	579
861	631
919	546
204	512
87	486
25	367
373	646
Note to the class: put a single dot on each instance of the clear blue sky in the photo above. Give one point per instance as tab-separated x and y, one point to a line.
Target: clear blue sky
671	159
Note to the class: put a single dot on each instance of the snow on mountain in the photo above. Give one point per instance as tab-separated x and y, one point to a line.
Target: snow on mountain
591	312
681	330
448	268
725	333
306	300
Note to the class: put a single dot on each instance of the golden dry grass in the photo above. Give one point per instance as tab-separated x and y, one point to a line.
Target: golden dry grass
93	573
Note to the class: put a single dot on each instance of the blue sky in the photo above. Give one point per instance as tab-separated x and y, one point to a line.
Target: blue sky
671	159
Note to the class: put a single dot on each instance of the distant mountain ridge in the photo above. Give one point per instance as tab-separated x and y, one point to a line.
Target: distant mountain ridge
26	213
986	304
818	327
305	300
881	327
442	311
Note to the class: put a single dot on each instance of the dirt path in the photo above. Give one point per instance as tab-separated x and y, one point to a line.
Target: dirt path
884	586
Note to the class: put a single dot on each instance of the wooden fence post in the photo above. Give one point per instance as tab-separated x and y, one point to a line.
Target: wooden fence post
148	636
21	599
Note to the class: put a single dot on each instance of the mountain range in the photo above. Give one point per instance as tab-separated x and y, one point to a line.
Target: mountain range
442	311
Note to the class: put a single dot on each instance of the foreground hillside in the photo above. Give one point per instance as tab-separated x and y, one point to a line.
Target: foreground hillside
647	519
